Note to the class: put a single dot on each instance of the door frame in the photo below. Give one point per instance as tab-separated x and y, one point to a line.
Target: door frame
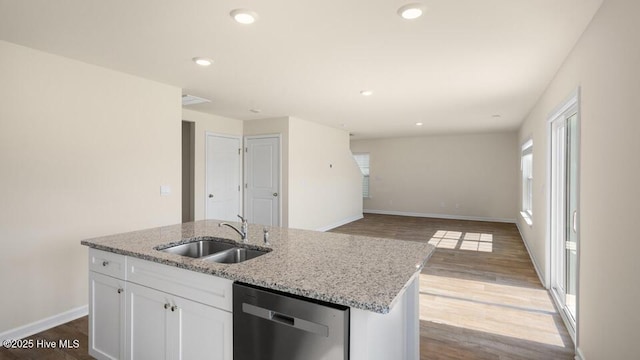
244	164
574	99
206	169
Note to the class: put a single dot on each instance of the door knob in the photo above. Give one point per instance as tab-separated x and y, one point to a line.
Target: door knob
210	195
275	194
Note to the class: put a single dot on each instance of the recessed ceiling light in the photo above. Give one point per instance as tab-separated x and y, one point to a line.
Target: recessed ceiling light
411	11
419	124
366	92
255	111
244	16
202	61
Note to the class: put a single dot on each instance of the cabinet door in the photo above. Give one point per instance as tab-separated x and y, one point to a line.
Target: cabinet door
199	332
106	316
147	314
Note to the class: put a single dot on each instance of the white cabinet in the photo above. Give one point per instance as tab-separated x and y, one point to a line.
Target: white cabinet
147	317
106	314
157	311
163	326
201	332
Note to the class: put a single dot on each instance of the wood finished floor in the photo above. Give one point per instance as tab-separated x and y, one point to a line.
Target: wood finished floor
74	330
480	297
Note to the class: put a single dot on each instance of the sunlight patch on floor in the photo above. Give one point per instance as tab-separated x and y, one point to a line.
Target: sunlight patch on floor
506	310
452	240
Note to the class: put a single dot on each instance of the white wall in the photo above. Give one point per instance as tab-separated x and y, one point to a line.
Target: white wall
206	123
271	127
462	176
325	183
83	152
604	64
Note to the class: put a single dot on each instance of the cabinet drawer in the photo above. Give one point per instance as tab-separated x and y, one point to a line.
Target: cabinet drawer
108	263
206	289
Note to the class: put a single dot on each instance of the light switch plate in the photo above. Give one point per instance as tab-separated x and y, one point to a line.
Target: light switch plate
165	190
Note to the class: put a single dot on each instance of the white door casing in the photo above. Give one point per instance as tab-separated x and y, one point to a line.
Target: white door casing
262	180
223	162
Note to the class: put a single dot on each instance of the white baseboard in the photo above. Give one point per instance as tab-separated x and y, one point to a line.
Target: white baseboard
533	259
340	223
579	355
44	324
438	216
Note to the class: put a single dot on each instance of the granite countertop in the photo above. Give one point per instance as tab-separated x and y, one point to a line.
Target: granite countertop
356	271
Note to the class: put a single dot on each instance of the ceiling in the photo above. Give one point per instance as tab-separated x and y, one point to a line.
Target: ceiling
464	66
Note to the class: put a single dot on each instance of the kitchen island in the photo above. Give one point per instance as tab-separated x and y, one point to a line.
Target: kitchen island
376	278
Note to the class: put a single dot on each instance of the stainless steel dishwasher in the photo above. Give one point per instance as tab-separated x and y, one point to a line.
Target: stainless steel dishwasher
271	325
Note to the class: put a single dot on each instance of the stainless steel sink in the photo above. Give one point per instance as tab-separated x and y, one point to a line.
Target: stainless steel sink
198	249
235	255
215	250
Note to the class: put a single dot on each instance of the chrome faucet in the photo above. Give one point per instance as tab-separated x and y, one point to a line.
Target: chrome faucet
243	229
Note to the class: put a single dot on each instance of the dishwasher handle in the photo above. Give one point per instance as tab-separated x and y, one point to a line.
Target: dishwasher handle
284	319
300	324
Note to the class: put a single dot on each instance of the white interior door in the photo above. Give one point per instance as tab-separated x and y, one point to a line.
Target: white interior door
223	169
262	180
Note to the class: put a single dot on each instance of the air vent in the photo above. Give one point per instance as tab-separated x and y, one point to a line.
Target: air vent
191	100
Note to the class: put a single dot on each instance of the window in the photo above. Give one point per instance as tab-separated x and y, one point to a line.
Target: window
527	181
363	163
